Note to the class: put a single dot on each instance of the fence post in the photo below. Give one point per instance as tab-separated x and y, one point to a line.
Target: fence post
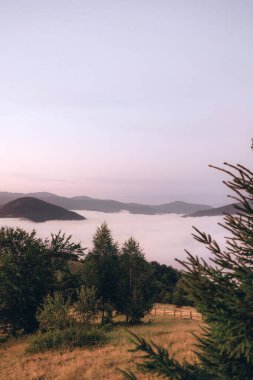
190	314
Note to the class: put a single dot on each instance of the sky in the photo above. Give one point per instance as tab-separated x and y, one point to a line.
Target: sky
127	100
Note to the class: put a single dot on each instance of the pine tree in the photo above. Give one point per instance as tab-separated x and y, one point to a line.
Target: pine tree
222	291
135	289
101	266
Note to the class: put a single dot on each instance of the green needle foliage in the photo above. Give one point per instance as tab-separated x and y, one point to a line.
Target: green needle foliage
222	291
158	361
101	267
135	293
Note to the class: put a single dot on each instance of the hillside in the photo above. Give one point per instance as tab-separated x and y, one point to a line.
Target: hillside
107	205
179	207
230	209
36	210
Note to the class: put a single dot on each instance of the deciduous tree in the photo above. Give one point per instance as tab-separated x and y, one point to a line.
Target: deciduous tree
29	270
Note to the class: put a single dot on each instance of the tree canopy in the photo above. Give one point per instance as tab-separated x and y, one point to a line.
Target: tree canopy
30	268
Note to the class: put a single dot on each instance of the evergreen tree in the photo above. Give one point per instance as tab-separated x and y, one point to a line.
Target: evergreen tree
135	286
101	266
164	281
223	292
181	296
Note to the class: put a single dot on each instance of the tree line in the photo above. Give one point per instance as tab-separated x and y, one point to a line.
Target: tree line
108	278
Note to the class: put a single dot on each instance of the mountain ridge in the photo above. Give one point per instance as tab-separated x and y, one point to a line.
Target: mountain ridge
107	205
228	209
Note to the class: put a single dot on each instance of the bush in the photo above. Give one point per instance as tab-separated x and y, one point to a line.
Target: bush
70	338
54	313
87	305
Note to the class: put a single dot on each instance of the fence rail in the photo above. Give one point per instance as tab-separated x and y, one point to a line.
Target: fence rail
177	313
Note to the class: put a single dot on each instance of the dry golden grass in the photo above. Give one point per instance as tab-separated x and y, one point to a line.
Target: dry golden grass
99	363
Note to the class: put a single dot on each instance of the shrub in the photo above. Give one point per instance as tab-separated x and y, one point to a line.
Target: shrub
74	336
55	313
87	305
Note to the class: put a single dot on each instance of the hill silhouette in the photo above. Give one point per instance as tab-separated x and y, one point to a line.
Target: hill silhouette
108	205
229	209
36	210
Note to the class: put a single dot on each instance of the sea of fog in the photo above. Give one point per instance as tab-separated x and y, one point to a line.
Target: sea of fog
162	237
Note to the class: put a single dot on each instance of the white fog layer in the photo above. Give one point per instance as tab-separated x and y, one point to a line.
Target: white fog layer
162	237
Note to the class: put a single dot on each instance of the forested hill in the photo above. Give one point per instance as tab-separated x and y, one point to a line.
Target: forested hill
229	209
107	205
36	210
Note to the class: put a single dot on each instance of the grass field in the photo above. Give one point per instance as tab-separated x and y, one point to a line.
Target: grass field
100	363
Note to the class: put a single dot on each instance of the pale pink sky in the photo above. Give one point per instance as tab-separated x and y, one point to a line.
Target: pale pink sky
126	100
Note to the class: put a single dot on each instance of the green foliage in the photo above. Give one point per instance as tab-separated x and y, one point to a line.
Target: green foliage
164	281
54	313
87	305
223	292
180	295
28	272
75	336
107	314
158	361
135	292
101	266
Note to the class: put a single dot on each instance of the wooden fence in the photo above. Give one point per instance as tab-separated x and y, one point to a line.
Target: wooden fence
182	313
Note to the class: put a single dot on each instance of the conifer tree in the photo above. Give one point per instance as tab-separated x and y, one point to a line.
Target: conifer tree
135	289
222	291
101	266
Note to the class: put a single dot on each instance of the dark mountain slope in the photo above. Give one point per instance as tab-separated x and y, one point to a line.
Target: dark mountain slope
230	209
36	210
179	207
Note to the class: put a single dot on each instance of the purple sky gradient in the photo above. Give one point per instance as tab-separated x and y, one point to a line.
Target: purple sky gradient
127	100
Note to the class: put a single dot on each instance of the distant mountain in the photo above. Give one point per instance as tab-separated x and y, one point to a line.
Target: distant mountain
36	210
229	209
179	207
108	205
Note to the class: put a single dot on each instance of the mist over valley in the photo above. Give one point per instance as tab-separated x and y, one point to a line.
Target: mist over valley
162	237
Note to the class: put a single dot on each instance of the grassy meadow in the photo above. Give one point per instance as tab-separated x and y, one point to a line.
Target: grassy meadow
102	362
